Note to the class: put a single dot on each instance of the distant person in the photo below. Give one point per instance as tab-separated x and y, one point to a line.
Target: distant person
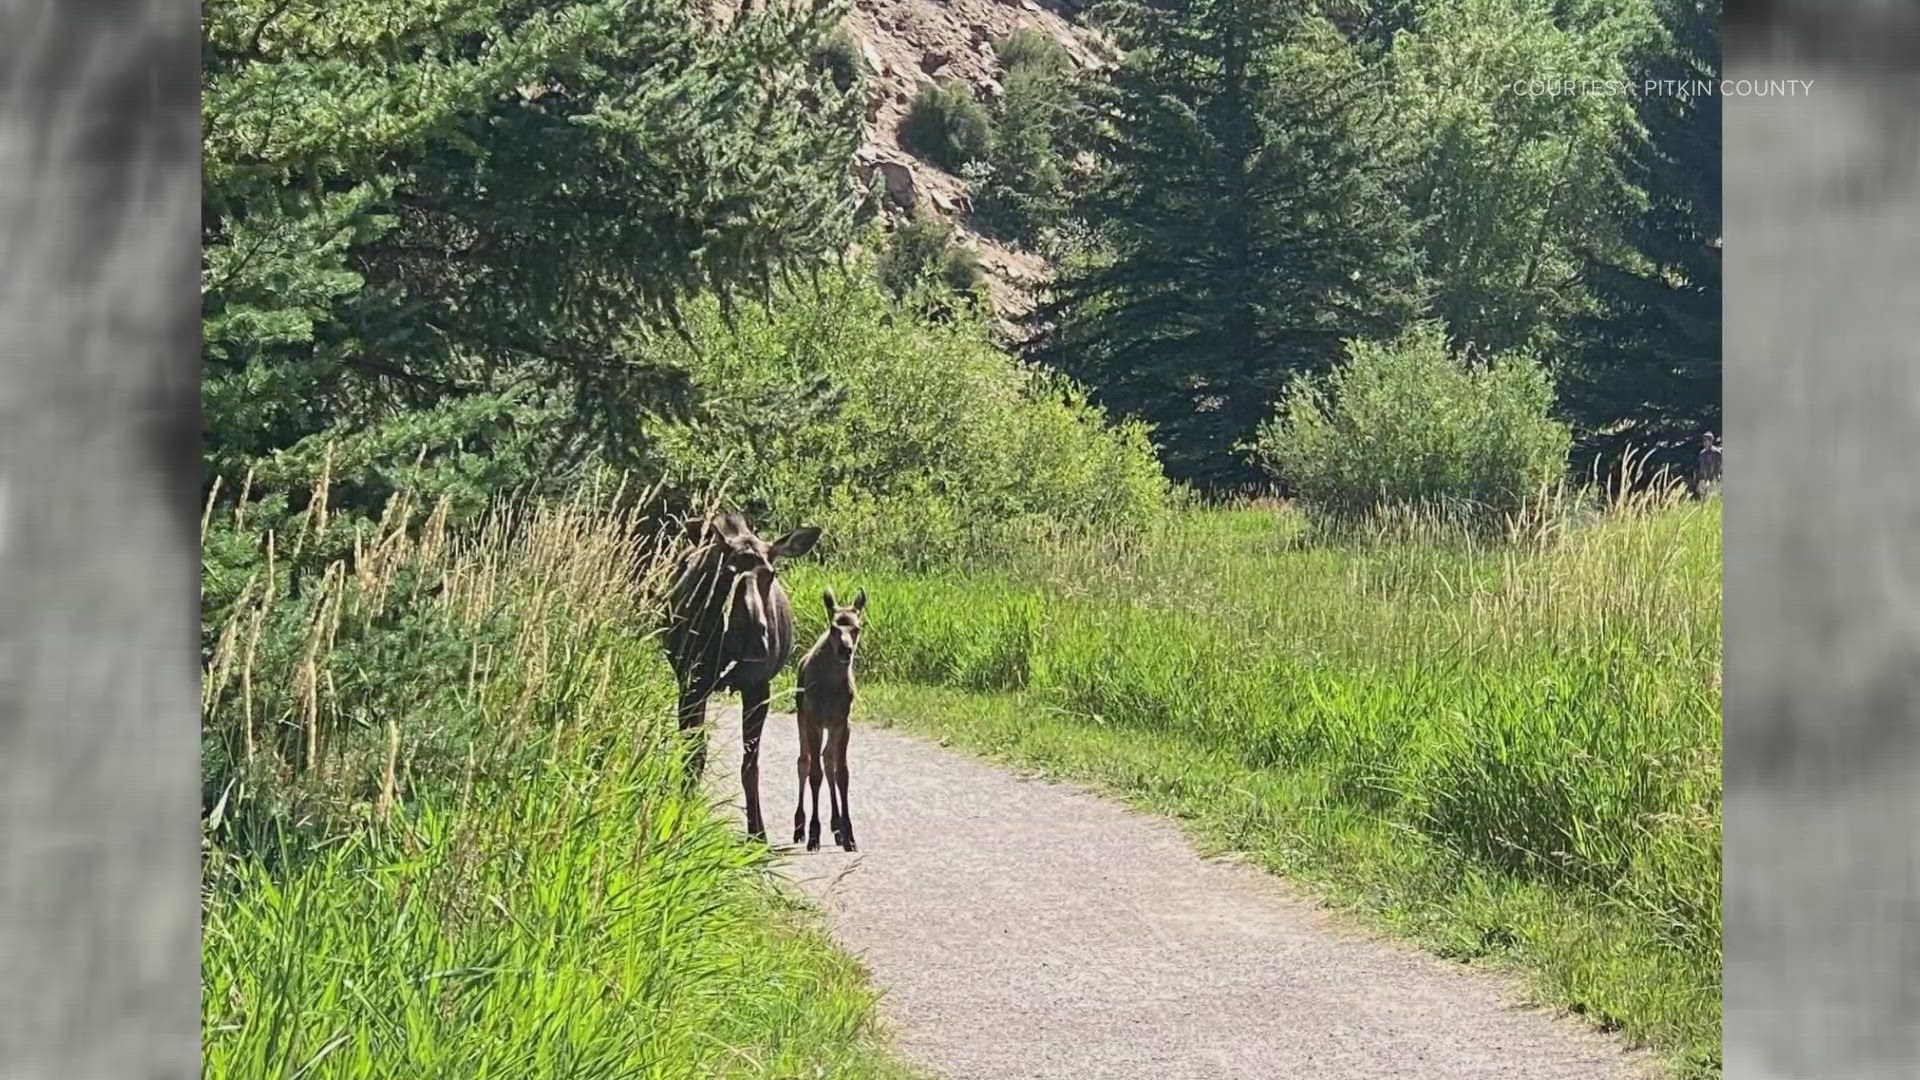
1706	469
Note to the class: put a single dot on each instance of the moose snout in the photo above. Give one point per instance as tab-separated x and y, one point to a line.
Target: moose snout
755	633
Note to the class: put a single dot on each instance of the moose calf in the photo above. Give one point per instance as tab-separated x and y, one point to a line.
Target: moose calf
825	701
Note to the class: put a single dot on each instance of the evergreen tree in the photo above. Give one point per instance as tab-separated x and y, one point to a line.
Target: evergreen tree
1022	189
1648	373
1246	223
432	232
1518	182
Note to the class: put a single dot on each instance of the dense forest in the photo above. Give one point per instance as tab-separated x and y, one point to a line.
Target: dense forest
486	247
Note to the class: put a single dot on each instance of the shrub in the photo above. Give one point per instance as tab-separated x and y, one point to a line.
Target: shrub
946	126
960	271
922	253
1028	48
1406	423
839	57
912	254
907	442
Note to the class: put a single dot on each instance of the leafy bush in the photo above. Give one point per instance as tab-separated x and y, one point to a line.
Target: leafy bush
839	56
912	253
946	126
1031	48
960	271
1408	423
921	253
907	442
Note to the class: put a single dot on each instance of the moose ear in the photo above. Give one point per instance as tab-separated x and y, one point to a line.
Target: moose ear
731	524
832	605
696	530
860	600
796	543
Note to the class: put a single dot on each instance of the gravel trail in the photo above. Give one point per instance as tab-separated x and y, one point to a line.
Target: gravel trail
1024	929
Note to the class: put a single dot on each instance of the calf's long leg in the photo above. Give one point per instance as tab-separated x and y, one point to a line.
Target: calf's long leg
809	774
815	770
837	771
753	720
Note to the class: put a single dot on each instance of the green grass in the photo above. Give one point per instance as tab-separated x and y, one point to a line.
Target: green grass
1509	751
496	873
582	922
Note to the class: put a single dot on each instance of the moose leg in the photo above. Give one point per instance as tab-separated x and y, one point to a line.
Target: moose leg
809	769
833	781
814	772
753	720
693	716
840	768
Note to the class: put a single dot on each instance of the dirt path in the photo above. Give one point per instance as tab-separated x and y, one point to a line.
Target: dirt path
1025	929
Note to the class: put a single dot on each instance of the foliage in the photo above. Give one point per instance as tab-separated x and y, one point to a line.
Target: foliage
1513	750
1372	24
1246	219
1517	177
960	271
920	253
945	125
907	442
1024	188
839	57
1030	48
1404	423
427	226
1647	374
446	815
911	254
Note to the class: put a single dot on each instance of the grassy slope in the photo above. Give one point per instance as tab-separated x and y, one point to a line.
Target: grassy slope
555	907
1512	757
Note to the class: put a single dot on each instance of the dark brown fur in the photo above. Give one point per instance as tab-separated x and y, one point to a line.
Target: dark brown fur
730	628
826	701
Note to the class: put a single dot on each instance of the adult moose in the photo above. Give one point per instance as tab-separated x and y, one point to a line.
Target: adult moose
730	628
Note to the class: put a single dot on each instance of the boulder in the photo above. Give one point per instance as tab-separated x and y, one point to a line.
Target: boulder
902	191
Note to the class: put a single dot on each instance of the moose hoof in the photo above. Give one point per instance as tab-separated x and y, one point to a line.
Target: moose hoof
849	845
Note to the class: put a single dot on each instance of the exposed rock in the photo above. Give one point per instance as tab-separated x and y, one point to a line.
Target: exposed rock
907	44
902	191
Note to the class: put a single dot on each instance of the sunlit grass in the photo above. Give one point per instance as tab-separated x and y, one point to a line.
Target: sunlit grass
1511	747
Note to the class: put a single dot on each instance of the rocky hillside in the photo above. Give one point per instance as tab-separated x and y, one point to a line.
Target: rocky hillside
907	44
